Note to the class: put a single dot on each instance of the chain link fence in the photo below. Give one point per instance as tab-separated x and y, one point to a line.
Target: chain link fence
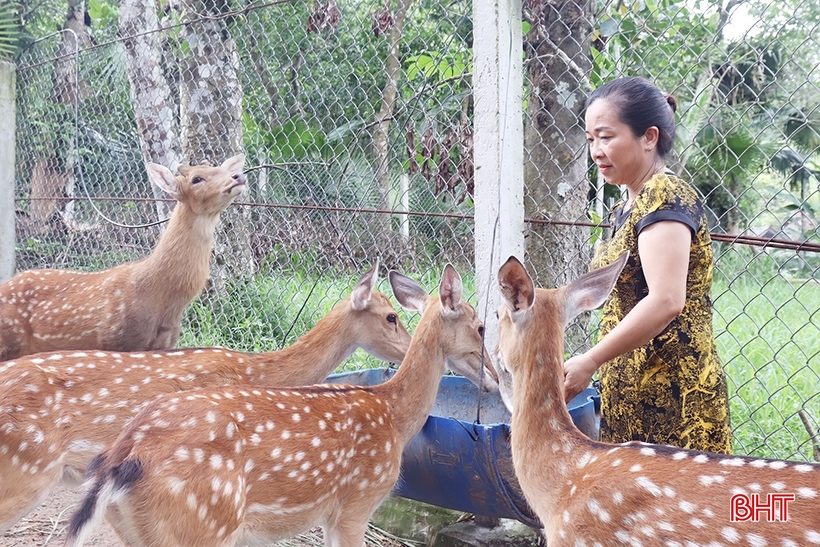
357	122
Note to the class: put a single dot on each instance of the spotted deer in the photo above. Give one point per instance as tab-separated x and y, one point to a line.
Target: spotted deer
136	306
246	465
595	494
58	410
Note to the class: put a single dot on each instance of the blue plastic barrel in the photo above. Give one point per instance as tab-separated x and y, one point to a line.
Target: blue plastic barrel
461	458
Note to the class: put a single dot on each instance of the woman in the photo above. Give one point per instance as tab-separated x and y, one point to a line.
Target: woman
660	376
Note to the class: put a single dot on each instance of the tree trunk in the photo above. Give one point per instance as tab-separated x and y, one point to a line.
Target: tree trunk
73	39
555	164
150	93
211	125
733	213
69	89
382	226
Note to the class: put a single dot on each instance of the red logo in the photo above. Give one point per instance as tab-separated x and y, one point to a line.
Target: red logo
775	507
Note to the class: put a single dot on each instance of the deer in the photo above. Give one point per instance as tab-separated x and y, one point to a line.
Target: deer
58	410
135	306
586	492
249	464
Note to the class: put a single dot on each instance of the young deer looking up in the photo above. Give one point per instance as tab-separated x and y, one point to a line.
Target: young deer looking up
59	410
633	494
240	465
136	306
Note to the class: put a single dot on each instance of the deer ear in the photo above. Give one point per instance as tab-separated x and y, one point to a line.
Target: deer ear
516	285
409	294
592	289
163	178
450	288
234	164
360	296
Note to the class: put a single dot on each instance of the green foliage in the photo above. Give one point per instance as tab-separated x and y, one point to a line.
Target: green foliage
103	14
766	345
295	139
596	232
39	18
741	106
437	66
727	150
10	28
638	37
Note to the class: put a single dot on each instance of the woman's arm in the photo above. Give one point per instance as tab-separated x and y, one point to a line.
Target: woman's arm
664	251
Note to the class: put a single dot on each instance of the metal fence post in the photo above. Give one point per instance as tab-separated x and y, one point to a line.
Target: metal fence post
499	147
7	168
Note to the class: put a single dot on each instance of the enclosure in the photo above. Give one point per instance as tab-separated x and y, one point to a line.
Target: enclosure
393	132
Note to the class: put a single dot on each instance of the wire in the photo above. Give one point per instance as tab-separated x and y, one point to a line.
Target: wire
329	219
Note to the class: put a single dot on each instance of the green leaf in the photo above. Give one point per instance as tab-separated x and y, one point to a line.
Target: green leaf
10	28
420	63
341	132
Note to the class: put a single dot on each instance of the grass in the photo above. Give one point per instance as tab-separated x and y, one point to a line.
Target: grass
766	326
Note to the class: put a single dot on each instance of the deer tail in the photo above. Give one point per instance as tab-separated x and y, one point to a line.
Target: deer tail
107	484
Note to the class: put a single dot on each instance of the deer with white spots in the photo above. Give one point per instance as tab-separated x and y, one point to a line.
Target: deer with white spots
136	306
633	494
59	410
247	465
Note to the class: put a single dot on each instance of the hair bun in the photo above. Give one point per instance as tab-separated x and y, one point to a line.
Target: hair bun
671	101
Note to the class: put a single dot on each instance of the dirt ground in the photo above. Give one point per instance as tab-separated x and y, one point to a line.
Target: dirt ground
47	526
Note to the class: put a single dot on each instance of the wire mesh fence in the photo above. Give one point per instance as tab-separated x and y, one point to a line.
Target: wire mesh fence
357	122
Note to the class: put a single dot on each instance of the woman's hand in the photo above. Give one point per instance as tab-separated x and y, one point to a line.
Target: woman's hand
578	371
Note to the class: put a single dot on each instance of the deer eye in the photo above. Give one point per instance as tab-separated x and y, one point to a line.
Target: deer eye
481	330
197	180
392	318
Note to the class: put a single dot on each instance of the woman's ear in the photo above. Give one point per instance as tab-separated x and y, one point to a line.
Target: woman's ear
650	138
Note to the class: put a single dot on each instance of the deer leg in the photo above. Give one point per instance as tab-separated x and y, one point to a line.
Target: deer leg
167	335
22	493
345	534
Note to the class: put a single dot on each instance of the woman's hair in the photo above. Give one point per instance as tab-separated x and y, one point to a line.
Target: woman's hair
640	105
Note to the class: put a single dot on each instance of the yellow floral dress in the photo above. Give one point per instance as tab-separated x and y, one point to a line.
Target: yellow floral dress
671	390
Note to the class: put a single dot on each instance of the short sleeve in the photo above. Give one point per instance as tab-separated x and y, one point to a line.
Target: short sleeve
660	216
664	198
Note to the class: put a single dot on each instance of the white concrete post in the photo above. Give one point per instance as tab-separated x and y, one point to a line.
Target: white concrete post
498	148
8	120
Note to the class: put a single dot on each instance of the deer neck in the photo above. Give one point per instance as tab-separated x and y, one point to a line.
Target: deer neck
541	422
536	390
318	352
181	260
411	392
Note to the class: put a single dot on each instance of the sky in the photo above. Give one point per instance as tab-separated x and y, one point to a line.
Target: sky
739	22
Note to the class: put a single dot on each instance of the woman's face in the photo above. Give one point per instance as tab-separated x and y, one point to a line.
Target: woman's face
621	157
